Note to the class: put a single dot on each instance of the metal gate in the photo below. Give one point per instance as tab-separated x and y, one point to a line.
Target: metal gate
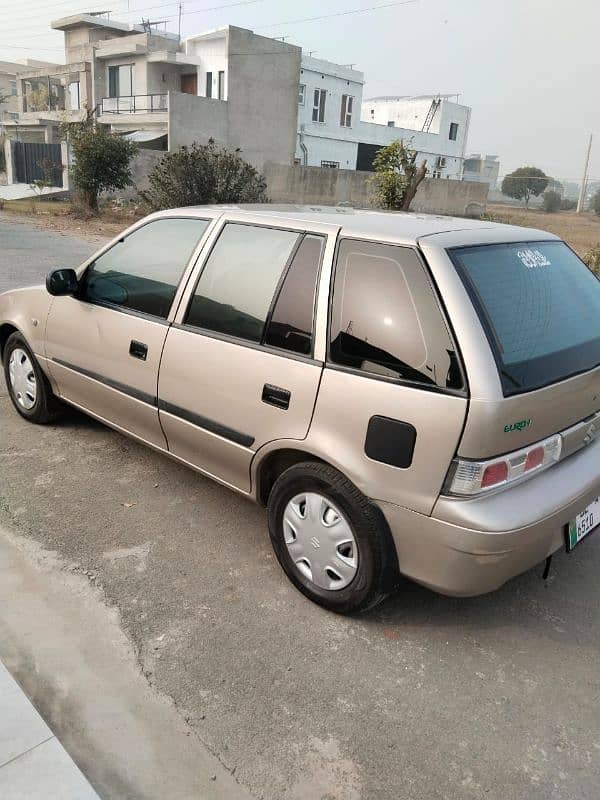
37	162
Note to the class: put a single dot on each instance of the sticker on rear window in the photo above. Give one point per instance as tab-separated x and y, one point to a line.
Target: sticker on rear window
533	258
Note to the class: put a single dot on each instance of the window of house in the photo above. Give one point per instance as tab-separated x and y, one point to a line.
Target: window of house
319	97
74	99
453	131
346	111
301	94
385	319
208	84
291	323
330	164
13	87
221	85
391	123
237	285
142	271
120	81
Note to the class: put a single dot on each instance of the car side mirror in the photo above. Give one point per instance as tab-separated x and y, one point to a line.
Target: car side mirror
62	282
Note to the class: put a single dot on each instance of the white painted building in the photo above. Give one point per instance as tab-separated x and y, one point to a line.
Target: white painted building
482	168
436	127
328	114
336	128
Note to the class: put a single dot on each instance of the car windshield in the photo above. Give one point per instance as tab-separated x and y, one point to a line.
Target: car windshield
540	307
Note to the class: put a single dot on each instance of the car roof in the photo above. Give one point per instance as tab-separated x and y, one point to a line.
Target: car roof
394	226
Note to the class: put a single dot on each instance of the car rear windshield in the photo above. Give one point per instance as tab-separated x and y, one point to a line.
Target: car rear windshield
540	307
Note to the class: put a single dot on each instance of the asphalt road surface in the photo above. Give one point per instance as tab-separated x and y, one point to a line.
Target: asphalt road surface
425	698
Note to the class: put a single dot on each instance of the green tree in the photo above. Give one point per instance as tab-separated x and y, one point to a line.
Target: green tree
525	182
101	160
595	203
200	174
397	176
552	201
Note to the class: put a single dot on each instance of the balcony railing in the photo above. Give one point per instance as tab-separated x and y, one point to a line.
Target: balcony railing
136	104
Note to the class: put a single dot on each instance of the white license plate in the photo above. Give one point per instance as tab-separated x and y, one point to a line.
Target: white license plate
583	524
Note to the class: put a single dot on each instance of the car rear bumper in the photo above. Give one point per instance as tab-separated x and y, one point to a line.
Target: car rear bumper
469	547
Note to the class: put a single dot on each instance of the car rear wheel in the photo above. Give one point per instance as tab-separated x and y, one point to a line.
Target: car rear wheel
332	543
27	385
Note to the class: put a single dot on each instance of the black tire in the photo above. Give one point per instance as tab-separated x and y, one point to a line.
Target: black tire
377	572
47	407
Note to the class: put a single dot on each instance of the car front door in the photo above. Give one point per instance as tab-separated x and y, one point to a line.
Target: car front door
104	344
238	368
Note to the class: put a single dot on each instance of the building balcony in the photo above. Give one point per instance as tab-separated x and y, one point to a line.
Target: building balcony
135	104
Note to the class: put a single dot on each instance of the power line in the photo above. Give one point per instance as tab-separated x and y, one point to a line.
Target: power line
349	12
136	11
339	14
42	11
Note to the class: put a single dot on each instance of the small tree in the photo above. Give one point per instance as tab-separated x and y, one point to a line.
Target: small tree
397	176
100	160
595	203
200	174
525	182
48	169
552	202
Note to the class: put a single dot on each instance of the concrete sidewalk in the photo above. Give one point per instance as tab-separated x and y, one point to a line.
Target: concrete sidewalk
23	191
33	763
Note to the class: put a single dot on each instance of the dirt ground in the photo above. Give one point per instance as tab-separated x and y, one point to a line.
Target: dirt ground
581	231
58	216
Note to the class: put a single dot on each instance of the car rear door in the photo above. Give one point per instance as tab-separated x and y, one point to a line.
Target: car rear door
238	369
104	345
393	397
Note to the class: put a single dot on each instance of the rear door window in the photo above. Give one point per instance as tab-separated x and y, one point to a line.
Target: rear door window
238	283
142	271
540	307
291	324
385	319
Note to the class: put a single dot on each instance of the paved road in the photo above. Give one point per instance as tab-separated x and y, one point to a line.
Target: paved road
426	698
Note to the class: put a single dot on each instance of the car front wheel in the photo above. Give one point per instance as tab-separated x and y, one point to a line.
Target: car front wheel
330	540
27	385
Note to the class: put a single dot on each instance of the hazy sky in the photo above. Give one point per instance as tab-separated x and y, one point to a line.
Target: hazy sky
528	68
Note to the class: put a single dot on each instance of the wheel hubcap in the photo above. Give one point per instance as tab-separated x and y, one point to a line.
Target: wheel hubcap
22	379
320	541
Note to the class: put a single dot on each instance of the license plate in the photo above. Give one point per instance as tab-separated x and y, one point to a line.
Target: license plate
583	524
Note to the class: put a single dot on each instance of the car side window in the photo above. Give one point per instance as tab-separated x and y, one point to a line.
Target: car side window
239	280
142	271
291	324
385	318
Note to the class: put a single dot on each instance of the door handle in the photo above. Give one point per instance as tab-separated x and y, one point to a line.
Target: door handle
138	350
276	396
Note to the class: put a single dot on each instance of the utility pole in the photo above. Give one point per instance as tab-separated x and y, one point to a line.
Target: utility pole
582	191
180	7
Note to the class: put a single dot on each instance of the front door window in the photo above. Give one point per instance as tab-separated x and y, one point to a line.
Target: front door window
142	271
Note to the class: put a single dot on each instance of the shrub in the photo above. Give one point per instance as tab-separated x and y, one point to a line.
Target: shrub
551	201
568	205
100	161
203	174
592	259
595	204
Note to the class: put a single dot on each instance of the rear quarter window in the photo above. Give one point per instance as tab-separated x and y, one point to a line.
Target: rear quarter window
385	318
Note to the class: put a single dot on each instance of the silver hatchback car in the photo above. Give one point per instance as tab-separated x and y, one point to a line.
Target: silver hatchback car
408	395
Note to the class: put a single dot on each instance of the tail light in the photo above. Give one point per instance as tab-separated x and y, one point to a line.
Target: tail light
468	477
